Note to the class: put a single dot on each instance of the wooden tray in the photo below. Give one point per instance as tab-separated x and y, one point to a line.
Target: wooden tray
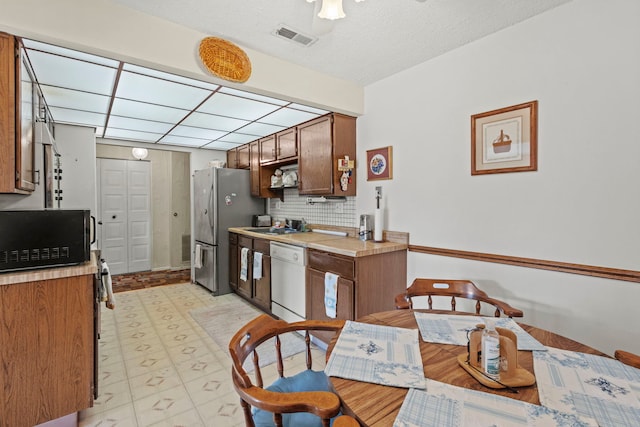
514	376
520	377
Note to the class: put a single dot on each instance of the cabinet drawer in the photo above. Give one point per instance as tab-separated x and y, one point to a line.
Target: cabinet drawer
261	245
337	264
245	242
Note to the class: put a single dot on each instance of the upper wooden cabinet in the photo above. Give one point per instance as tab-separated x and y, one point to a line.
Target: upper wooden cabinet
321	142
17	118
232	158
244	157
281	147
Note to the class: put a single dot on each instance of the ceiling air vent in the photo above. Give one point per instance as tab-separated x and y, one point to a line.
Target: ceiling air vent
289	33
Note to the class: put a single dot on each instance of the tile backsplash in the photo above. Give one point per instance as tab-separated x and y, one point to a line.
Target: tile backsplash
295	206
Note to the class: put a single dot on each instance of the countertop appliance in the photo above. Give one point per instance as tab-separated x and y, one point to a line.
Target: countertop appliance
365	227
288	293
221	200
31	239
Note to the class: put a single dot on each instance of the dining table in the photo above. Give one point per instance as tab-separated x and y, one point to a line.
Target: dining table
376	405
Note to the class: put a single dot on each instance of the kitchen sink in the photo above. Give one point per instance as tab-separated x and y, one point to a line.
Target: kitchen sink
273	231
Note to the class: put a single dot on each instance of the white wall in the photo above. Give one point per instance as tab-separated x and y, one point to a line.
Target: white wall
581	61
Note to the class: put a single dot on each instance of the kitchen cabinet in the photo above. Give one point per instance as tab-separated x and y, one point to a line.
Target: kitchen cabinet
281	147
244	159
18	93
256	291
234	267
232	158
254	168
47	349
321	142
366	284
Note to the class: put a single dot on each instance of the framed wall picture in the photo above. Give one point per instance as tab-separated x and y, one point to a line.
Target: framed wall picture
379	164
505	140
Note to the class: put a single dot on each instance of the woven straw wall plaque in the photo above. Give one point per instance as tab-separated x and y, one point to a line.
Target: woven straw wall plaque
225	60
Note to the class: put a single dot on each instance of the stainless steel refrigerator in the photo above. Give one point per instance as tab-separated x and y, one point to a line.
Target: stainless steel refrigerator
222	199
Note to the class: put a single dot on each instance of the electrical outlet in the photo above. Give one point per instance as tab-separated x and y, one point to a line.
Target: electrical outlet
339	208
278	204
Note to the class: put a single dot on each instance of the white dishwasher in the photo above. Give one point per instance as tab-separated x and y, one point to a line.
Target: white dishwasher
288	300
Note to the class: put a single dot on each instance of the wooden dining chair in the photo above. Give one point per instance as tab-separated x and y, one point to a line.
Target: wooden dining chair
465	289
300	400
628	358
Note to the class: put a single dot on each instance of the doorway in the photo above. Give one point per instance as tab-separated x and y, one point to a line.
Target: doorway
124	214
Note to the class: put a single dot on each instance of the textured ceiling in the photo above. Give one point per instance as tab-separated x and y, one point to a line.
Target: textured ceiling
378	38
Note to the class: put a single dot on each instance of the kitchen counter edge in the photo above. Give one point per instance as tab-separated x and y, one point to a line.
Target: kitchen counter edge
50	273
348	246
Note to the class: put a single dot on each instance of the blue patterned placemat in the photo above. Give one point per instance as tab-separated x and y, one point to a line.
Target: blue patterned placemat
452	329
377	354
589	385
446	405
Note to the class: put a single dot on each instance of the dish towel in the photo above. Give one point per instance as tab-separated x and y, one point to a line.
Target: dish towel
257	265
330	294
197	262
106	291
243	263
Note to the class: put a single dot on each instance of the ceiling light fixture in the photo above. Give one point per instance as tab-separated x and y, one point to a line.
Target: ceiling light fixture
331	9
139	153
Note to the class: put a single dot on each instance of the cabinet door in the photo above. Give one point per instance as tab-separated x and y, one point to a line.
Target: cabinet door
315	300
245	286
232	158
243	157
254	154
262	287
268	149
287	144
234	271
25	119
315	157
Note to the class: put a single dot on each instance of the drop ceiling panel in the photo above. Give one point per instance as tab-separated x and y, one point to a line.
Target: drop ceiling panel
183	140
170	77
307	108
253	96
235	107
220	145
287	117
194	132
238	138
261	129
74	54
214	122
139	110
158	91
131	135
66	115
67	98
137	124
73	74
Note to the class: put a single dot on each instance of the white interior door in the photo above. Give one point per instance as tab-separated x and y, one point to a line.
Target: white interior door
125	215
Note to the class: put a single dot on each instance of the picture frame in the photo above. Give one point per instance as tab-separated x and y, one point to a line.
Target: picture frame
505	140
379	164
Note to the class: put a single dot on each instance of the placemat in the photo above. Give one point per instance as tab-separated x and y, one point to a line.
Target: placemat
446	405
591	386
452	329
377	354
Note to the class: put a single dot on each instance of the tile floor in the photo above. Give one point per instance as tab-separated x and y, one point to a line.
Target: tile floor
158	367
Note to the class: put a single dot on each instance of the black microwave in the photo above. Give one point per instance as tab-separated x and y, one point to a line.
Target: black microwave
31	239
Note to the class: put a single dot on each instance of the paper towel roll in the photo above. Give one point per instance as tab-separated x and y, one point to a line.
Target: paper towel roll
378	221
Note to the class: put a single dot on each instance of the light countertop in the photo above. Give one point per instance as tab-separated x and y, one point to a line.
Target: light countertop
348	246
49	273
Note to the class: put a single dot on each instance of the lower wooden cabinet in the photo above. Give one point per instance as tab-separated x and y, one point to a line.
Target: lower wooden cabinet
256	291
366	284
234	267
46	350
